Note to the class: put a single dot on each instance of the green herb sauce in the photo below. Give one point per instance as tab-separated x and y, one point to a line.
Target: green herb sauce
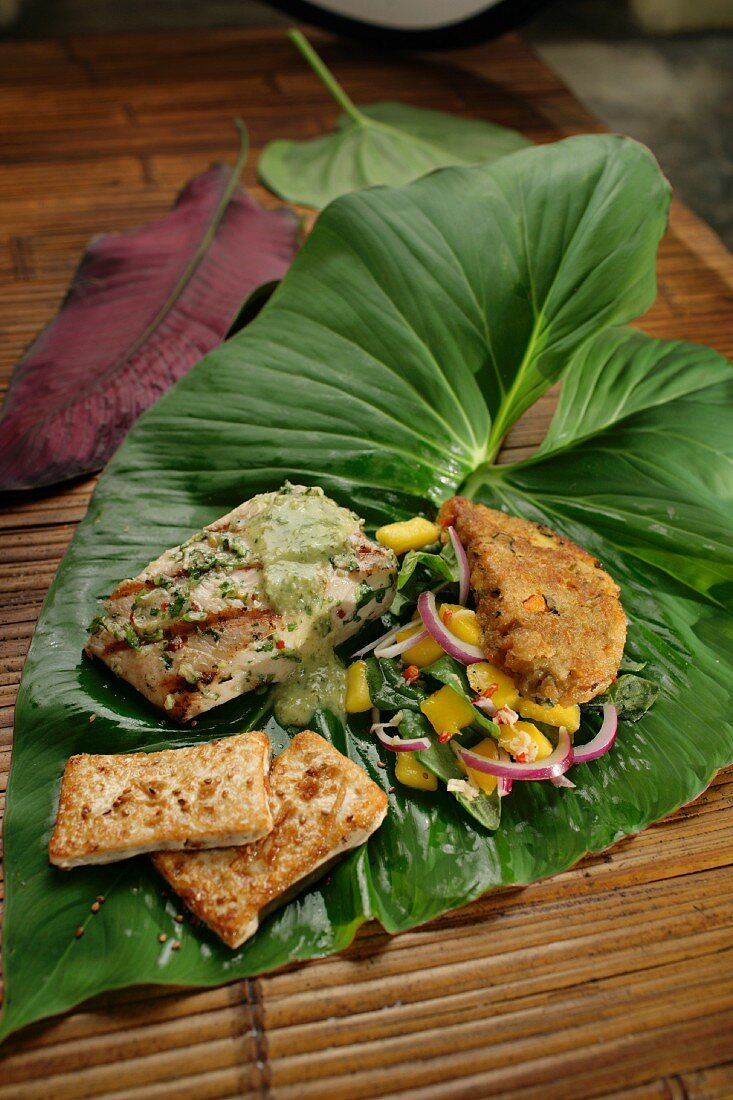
296	538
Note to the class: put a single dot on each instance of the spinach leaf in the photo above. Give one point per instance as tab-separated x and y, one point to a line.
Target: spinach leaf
387	143
441	761
449	671
389	690
423	569
631	695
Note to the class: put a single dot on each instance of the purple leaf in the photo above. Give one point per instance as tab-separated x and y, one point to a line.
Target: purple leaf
143	307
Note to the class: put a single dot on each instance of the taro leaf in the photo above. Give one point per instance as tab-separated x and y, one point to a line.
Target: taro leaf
143	307
410	321
383	143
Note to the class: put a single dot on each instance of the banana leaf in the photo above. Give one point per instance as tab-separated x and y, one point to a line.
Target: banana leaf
412	330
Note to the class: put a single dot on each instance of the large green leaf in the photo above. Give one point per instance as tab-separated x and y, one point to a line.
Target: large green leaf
383	143
412	329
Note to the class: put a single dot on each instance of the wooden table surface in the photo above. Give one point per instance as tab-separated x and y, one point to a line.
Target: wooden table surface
612	980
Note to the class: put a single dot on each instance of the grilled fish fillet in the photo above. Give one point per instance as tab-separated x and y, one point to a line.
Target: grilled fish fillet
322	805
549	613
197	627
114	807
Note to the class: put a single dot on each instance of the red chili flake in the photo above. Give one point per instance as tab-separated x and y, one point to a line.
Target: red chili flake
446	615
280	644
341	613
411	673
92	717
444	735
178	919
489	691
164	605
175	644
195	606
95	906
391	790
176	945
100	899
521	757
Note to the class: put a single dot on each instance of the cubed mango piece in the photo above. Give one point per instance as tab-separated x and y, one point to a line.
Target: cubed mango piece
422	653
462	622
411	773
482	675
513	741
490	750
357	689
447	712
553	716
408	534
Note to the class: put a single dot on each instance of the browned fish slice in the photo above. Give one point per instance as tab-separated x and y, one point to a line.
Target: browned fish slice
549	613
322	805
195	628
114	807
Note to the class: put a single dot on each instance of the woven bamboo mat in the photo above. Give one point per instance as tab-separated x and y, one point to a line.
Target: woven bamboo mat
612	980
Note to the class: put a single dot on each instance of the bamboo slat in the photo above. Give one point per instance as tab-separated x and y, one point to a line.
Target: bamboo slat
612	980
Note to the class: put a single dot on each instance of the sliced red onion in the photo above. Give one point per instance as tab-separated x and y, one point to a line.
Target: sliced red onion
397	744
555	764
400	647
454	647
464	573
383	639
602	741
504	785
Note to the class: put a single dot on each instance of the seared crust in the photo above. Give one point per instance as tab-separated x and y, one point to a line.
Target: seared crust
549	613
114	807
322	805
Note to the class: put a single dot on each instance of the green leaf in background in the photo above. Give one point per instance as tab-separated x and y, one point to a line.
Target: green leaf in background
412	329
383	143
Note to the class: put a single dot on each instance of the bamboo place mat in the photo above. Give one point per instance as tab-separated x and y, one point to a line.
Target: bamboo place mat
612	980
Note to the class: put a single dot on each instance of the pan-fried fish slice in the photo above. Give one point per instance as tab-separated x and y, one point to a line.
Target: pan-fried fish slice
549	613
114	807
322	805
243	602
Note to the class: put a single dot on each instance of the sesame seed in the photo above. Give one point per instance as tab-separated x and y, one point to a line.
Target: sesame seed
162	937
391	790
176	945
79	932
381	764
178	919
92	717
100	899
95	906
194	724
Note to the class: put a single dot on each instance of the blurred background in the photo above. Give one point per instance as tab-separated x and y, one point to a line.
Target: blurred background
658	70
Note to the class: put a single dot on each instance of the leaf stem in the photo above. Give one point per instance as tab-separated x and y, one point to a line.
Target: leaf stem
325	76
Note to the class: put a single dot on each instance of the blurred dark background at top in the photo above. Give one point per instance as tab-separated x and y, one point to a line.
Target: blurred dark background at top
658	70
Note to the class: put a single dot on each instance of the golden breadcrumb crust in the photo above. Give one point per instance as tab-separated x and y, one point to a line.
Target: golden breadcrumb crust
549	613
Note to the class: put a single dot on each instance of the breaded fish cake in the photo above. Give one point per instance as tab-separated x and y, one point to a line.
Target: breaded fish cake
549	613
